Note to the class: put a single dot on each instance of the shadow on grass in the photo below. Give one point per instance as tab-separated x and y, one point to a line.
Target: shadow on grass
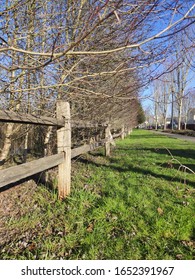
126	167
141	170
187	153
189	168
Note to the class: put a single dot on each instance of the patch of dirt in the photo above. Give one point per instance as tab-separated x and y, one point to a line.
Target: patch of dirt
11	207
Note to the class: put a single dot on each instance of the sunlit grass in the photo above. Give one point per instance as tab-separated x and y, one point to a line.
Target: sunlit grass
137	204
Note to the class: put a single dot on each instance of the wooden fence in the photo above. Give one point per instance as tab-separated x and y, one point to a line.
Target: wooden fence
63	158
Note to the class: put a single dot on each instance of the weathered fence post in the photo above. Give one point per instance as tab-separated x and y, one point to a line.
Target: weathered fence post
107	143
126	131
123	132
64	146
129	130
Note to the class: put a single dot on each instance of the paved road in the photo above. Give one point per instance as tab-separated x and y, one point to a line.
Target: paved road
178	136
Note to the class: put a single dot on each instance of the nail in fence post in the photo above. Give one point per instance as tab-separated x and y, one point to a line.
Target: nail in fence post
64	146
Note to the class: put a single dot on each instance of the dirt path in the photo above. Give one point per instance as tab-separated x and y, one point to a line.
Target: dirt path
177	136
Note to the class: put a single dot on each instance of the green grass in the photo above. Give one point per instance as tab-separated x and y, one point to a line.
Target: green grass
138	204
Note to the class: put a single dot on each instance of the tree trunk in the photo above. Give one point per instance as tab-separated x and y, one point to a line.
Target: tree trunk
47	140
165	123
7	144
26	144
179	115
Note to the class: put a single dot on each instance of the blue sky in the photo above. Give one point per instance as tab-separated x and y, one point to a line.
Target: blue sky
146	93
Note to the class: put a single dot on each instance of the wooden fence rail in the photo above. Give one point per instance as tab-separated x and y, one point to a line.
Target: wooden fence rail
65	154
15	117
16	173
8	116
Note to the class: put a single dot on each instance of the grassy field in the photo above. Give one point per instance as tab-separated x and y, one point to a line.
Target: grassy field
138	204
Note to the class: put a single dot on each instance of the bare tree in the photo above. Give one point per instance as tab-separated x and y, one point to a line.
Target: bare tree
95	54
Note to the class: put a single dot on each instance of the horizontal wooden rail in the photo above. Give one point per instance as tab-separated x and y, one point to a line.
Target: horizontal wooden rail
80	150
8	116
16	173
116	135
84	149
83	124
22	171
64	123
15	117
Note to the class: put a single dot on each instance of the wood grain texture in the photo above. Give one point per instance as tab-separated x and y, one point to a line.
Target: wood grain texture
9	116
16	173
